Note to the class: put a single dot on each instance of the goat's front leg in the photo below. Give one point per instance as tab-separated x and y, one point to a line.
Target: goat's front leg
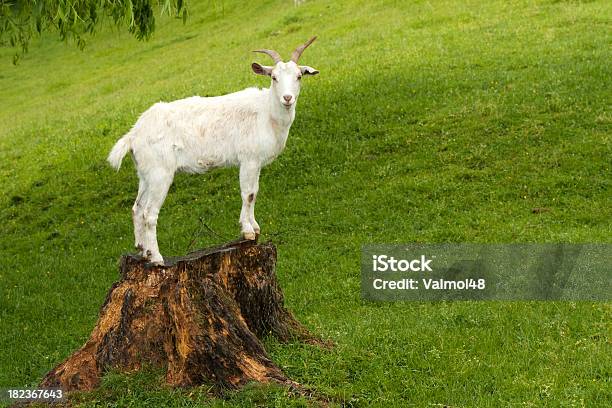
249	185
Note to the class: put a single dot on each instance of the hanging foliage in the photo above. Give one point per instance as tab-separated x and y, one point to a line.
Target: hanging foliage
20	20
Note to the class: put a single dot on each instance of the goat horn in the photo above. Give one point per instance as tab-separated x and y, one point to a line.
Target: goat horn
275	55
295	56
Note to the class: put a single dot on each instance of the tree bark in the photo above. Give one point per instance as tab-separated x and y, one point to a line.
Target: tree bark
200	317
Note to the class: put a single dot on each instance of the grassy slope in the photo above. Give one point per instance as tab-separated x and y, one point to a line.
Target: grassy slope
430	122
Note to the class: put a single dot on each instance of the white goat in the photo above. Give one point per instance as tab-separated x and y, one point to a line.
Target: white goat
246	129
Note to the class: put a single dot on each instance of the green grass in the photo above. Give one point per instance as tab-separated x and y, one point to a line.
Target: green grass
430	122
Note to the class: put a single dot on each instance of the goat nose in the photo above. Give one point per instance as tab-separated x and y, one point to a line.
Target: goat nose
287	98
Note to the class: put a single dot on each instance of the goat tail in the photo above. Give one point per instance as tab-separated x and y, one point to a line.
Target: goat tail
118	152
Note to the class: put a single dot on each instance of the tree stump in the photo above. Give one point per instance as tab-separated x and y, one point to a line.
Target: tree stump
200	317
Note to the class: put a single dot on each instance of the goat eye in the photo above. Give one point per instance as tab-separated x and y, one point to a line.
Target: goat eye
299	77
274	78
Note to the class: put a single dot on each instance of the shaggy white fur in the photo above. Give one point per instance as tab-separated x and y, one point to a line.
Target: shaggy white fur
246	129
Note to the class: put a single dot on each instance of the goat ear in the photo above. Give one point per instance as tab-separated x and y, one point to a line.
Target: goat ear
261	69
306	70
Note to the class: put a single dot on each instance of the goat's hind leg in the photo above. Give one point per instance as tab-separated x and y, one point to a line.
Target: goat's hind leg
138	216
158	182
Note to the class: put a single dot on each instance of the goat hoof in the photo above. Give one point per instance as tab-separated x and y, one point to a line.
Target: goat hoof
249	235
156	260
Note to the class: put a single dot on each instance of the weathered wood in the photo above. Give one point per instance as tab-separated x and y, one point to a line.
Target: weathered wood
200	317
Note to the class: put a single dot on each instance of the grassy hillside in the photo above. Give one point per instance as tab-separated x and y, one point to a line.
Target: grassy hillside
442	121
